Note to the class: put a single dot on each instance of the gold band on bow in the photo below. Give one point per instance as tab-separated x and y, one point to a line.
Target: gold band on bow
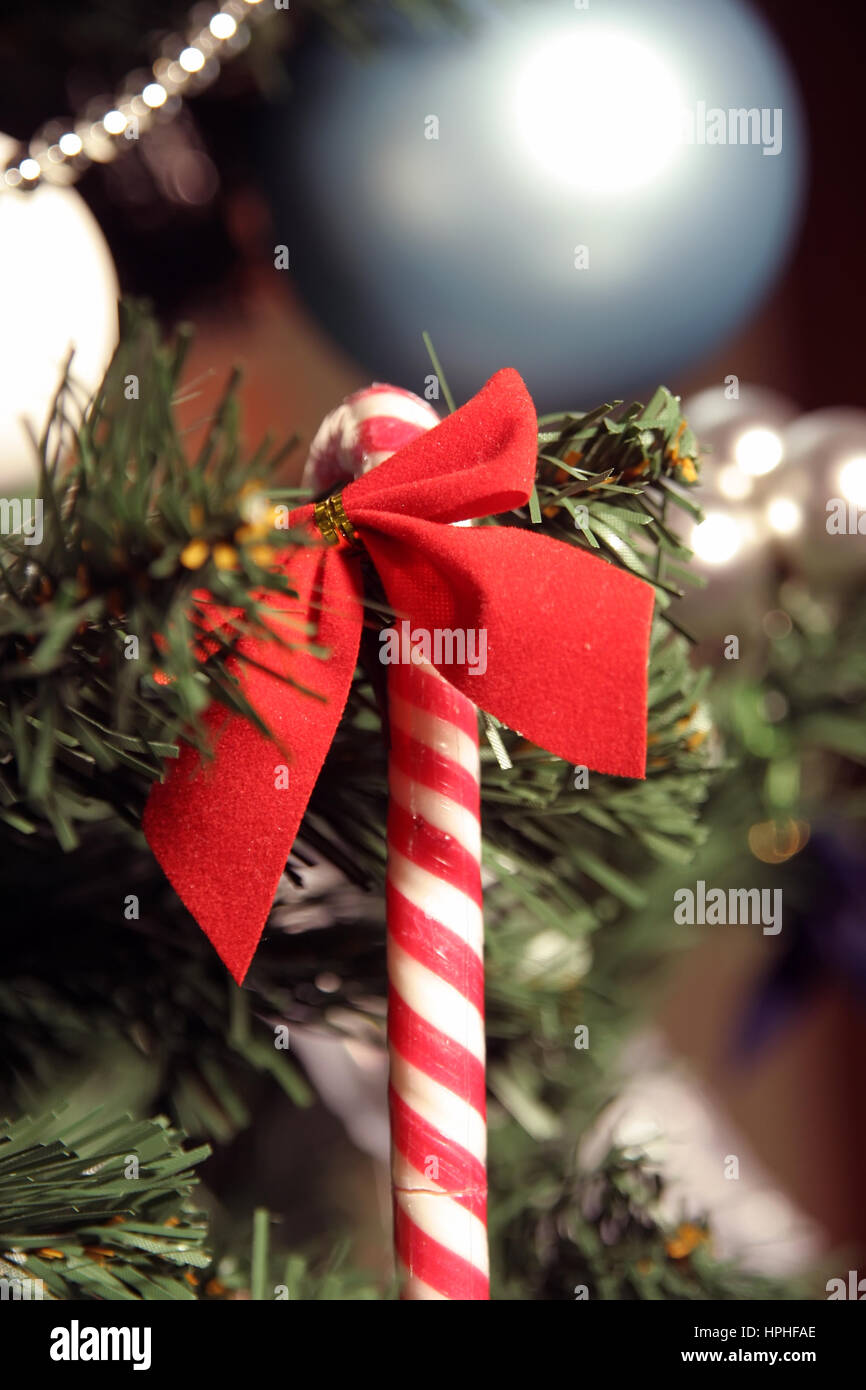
330	517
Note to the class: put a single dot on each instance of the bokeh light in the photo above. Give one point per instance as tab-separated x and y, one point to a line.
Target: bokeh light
784	516
718	538
758	451
852	480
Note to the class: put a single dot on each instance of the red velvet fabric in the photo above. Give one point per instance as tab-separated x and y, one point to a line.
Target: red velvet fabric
567	642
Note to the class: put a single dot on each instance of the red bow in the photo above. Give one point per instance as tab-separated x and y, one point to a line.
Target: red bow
567	640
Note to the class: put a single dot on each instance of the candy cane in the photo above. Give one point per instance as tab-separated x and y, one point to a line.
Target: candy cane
436	988
435	925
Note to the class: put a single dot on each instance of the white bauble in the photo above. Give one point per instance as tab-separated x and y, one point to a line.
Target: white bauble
825	461
744	511
58	290
731	556
831	445
668	1118
554	960
743	437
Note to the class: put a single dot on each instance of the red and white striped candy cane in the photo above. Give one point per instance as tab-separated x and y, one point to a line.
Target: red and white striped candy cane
435	925
365	430
436	988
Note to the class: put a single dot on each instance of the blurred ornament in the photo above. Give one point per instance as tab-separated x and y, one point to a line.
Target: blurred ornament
827	438
774	841
553	960
521	191
722	538
731	553
187	63
666	1117
181	169
756	503
743	436
824	472
798	483
58	291
351	1078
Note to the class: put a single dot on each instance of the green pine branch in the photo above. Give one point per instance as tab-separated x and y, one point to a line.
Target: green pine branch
107	655
99	1208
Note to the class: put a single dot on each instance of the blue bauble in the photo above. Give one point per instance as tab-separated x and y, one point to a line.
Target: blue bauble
546	225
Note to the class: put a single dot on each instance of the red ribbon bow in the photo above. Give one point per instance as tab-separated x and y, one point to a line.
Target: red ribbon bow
567	641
